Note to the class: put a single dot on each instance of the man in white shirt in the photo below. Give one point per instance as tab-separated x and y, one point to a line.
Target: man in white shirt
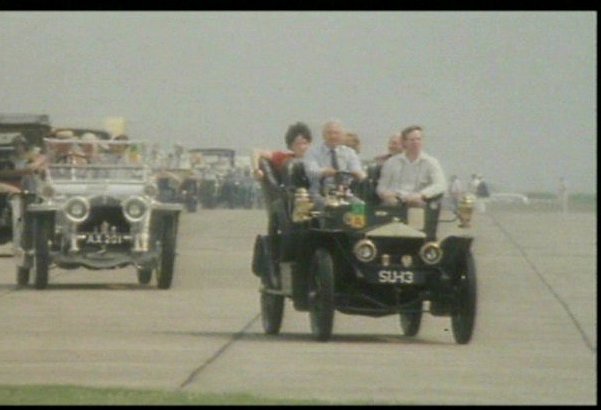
412	177
322	161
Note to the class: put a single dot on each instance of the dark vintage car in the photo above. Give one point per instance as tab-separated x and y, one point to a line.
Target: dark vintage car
216	164
32	128
359	257
99	213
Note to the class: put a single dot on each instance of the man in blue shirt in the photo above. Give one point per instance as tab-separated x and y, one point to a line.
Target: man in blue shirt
322	161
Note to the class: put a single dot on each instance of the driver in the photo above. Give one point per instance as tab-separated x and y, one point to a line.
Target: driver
412	177
323	161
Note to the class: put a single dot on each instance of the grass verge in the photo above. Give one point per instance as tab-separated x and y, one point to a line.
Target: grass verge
76	395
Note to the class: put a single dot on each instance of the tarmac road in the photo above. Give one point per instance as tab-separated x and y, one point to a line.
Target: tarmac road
534	342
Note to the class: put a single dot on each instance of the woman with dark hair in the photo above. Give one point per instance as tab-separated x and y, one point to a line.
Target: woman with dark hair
298	139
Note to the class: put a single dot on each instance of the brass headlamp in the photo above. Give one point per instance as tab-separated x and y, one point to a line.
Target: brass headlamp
465	209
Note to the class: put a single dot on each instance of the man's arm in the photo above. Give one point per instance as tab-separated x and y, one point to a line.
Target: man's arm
385	188
355	165
439	183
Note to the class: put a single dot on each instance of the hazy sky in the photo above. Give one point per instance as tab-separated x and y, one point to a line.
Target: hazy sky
511	95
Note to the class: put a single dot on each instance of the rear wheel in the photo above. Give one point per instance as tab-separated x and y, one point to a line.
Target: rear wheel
167	258
411	319
464	315
321	295
41	230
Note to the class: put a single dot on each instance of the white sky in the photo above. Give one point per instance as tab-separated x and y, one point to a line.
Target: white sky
511	95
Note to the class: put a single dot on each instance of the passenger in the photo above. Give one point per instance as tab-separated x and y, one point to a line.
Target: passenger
323	161
395	146
90	147
120	151
64	149
27	162
353	141
298	139
413	176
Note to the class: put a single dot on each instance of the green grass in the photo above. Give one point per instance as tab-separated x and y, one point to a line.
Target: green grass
74	395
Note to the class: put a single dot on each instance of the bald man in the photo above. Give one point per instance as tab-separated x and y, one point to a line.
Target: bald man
323	160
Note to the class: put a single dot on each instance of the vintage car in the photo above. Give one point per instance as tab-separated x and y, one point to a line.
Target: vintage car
215	165
101	212
359	257
32	128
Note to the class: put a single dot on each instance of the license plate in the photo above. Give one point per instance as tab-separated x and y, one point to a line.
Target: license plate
396	276
105	238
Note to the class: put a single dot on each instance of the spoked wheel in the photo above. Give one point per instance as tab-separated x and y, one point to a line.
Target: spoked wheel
272	305
167	258
464	316
411	319
144	275
41	229
321	294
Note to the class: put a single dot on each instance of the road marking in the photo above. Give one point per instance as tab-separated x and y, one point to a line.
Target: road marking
565	306
219	352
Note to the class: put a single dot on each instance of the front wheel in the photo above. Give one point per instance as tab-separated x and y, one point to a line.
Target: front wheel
464	315
167	259
272	312
321	295
42	227
411	319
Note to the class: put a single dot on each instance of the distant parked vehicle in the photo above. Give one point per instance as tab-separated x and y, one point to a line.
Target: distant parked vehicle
100	212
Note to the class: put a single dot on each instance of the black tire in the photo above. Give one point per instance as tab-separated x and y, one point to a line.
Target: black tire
321	295
41	230
167	258
412	319
464	315
272	312
144	275
23	276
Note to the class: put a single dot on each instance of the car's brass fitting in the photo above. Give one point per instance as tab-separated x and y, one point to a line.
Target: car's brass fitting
302	206
465	210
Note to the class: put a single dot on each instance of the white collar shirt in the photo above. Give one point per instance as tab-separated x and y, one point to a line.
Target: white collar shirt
401	176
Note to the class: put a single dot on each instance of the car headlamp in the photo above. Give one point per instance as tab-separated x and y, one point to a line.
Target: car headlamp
77	209
431	253
135	209
365	250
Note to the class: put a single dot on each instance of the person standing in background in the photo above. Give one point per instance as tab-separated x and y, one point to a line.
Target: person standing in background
562	195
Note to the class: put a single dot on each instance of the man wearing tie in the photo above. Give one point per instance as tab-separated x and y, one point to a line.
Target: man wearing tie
322	161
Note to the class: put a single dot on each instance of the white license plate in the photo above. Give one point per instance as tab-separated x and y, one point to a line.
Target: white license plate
396	276
105	239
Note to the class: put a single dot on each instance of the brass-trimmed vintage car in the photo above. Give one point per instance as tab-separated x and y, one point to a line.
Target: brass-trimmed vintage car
359	257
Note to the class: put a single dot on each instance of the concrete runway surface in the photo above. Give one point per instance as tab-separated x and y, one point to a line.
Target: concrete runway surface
534	342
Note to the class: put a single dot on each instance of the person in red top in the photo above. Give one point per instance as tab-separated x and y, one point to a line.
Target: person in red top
298	139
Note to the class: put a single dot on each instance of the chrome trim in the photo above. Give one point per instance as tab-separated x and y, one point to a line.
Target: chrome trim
365	242
144	203
70	201
426	248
